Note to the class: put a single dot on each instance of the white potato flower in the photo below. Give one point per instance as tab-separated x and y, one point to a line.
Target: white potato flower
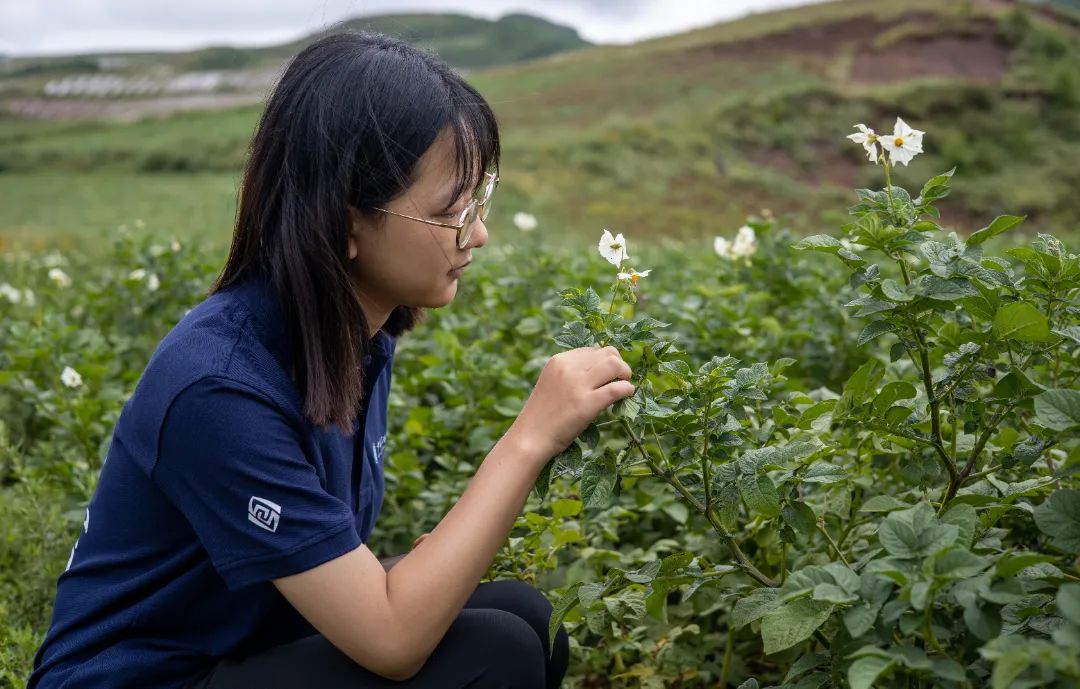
53	259
137	274
525	221
59	277
904	144
10	293
152	282
869	141
70	377
175	246
613	249
722	247
745	244
633	276
28	296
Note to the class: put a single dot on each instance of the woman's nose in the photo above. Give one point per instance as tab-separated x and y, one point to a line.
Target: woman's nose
479	234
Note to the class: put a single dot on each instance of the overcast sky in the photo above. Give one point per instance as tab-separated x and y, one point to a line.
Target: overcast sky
51	27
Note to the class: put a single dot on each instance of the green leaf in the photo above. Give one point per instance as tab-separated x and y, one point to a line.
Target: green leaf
1059	518
1068	602
1012	563
823	472
859	386
864	671
1058	409
819	242
916	532
875	329
792	623
943	289
1021	321
598	482
894	291
799	517
883	503
859	619
543	480
1002	223
759	603
891	392
760	495
565	507
558	612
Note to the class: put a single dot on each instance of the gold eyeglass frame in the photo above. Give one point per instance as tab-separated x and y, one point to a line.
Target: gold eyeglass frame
477	207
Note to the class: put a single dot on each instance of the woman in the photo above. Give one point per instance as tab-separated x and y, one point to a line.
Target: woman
225	544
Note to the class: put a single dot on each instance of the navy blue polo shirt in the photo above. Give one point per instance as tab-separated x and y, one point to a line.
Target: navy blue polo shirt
214	484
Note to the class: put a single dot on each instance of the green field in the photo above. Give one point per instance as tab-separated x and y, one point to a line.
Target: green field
682	136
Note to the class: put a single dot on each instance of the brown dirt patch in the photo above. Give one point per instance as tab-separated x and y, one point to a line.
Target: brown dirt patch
978	58
970	52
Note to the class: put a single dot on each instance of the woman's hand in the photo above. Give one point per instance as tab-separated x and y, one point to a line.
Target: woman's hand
572	390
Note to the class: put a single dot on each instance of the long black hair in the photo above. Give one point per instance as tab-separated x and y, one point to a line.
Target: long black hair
344	126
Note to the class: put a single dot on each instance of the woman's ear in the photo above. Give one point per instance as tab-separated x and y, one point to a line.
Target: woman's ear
354	232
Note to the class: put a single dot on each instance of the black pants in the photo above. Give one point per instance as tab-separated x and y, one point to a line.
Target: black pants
499	640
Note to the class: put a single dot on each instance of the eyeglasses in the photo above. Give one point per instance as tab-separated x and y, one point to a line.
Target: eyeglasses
478	206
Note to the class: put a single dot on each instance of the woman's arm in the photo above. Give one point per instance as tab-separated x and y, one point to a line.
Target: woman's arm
391	621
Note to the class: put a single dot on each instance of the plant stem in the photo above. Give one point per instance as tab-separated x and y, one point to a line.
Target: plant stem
888	185
671	479
705	460
729	650
823	530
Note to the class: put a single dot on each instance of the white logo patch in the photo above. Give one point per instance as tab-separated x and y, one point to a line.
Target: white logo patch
264	513
377	448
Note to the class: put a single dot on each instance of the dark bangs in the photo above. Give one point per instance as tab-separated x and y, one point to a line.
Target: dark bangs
476	142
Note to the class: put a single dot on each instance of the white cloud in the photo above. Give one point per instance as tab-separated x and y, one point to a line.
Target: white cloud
69	26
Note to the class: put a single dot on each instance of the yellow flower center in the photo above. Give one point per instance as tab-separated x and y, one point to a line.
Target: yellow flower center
899	142
634	278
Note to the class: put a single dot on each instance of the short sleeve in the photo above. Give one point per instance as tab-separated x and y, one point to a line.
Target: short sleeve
234	465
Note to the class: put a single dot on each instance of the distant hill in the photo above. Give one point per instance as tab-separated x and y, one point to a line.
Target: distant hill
463	41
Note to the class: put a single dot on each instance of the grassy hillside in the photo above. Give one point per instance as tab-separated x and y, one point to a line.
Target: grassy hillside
680	136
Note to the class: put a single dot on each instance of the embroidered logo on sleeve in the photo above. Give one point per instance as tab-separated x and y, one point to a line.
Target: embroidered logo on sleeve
264	513
377	448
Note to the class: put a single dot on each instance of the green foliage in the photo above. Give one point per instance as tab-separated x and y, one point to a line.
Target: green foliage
851	464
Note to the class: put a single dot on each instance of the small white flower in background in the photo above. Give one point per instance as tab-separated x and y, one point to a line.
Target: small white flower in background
137	274
10	293
139	223
28	297
152	282
904	144
633	276
77	311
156	250
525	221
869	141
53	259
745	244
613	248
59	277
70	377
722	247
175	246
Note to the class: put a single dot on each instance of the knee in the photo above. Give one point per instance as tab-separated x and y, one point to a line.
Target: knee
525	600
512	651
